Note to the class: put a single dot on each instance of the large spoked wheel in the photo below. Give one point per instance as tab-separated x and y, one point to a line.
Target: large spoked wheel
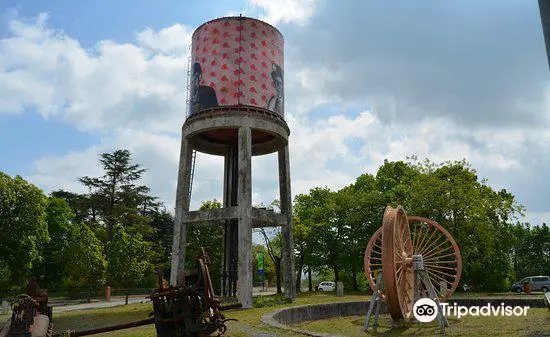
442	259
373	259
397	254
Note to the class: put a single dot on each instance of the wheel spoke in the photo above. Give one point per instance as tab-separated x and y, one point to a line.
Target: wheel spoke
438	240
439	251
427	253
439	267
416	238
439	272
439	277
423	239
433	257
427	243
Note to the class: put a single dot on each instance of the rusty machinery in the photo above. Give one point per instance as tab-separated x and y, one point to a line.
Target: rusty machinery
407	258
28	318
189	309
31	314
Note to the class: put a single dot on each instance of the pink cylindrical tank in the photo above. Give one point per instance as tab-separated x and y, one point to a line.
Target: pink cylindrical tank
237	61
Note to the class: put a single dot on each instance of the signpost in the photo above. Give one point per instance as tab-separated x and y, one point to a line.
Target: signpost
261	267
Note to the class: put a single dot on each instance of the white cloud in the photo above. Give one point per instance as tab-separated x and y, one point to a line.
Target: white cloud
112	84
61	172
134	96
175	39
286	11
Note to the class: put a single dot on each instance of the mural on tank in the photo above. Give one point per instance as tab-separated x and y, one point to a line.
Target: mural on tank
237	61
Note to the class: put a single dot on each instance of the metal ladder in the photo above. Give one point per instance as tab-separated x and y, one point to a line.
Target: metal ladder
187	111
193	160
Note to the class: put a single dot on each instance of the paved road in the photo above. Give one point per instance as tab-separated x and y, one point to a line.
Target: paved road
97	305
134	299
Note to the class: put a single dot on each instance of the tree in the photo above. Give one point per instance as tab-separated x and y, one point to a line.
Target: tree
115	199
531	252
161	240
301	239
478	217
324	213
79	205
274	244
24	229
127	259
83	256
211	239
481	220
58	218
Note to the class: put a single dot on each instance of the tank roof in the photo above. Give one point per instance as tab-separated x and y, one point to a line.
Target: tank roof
238	17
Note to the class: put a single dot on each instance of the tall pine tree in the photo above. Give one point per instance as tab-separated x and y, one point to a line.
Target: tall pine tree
116	198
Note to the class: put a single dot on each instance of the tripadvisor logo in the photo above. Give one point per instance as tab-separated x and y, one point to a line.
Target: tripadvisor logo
426	310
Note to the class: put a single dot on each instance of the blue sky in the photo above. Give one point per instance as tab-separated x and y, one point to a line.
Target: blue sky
365	81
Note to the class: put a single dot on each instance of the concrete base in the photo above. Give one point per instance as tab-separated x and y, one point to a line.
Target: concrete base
197	135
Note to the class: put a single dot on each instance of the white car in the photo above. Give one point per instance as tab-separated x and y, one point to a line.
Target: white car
327	286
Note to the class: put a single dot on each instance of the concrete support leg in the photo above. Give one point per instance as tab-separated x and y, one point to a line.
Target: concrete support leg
244	199
226	203
183	200
286	209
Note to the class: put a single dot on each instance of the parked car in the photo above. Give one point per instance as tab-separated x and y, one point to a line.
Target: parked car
538	283
327	286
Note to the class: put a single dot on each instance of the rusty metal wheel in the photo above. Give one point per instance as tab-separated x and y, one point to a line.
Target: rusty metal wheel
397	251
442	259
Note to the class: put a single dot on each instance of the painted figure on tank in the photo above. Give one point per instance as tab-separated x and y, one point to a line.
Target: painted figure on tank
202	96
276	102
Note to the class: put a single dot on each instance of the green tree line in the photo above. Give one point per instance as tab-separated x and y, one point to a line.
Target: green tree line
118	234
115	234
332	228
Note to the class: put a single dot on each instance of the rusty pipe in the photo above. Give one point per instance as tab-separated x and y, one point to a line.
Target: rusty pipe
94	331
129	325
230	306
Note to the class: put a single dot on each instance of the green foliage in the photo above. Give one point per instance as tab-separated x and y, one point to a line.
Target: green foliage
338	224
211	239
64	239
114	199
269	301
478	217
83	256
127	258
53	268
531	255
161	239
274	244
24	228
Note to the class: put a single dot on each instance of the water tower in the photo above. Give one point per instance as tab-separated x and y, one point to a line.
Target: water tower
236	110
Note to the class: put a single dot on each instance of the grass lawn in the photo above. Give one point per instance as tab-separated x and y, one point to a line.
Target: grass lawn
249	320
536	323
